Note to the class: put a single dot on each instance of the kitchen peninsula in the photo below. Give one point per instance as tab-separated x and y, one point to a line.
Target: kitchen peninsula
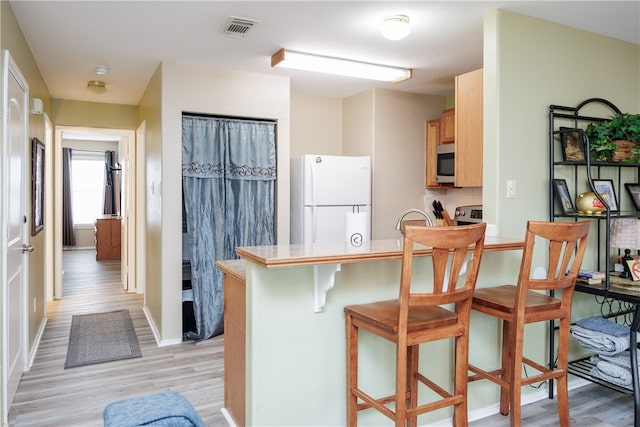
284	338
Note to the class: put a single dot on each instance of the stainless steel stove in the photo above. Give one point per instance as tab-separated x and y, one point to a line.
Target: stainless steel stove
470	214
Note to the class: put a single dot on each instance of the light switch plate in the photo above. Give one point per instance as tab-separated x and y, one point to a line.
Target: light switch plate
511	189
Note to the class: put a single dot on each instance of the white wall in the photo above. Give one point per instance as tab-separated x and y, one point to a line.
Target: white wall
210	91
390	126
316	125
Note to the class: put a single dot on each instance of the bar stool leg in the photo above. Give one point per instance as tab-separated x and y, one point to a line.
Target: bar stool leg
515	379
403	370
563	362
352	372
507	350
413	354
461	371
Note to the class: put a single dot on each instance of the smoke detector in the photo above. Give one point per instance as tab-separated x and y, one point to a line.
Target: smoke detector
239	27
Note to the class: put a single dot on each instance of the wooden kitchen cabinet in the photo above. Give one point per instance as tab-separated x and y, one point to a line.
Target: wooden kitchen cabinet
433	136
107	238
466	121
469	128
235	347
448	126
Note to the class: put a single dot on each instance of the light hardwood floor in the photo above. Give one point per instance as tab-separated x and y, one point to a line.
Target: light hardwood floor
51	396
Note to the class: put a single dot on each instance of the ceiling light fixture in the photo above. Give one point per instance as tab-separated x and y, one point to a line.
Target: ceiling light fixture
342	67
97	86
396	27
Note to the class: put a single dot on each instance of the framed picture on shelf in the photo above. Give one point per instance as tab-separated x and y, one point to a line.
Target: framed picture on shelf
634	192
572	145
605	186
563	197
634	268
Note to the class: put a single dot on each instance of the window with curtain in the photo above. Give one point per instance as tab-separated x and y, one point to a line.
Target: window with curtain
87	186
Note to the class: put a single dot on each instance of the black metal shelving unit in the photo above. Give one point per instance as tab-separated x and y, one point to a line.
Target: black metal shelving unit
613	302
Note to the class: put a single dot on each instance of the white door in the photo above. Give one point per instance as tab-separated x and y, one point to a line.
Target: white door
14	229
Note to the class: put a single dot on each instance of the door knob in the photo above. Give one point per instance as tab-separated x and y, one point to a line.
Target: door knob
26	248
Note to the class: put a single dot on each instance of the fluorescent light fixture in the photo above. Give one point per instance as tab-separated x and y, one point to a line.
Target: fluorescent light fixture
396	27
342	67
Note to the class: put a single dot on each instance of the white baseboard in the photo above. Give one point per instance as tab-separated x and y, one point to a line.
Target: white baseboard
156	334
493	409
36	344
228	418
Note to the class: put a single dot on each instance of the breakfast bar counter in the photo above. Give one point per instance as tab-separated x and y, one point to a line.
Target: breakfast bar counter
284	333
299	255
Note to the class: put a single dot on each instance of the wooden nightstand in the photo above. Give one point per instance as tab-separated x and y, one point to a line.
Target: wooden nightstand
107	238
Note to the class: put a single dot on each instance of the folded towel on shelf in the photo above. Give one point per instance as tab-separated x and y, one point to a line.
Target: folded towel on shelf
599	342
599	324
623	359
611	372
597	373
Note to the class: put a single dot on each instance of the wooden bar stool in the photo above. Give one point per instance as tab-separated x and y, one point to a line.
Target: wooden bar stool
520	304
416	318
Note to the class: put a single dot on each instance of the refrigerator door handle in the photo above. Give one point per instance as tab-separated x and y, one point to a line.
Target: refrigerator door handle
312	177
314	224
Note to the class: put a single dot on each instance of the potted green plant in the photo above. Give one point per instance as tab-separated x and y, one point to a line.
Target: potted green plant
616	139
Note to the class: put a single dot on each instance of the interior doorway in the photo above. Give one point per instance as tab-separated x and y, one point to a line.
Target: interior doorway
126	155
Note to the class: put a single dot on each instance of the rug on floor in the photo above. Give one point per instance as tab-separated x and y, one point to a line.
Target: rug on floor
101	337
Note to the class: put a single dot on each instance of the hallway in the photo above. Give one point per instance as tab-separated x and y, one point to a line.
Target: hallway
50	395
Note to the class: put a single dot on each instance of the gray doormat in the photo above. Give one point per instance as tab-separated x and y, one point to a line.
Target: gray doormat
101	337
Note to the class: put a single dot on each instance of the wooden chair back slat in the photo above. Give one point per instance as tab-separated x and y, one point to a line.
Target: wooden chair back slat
451	247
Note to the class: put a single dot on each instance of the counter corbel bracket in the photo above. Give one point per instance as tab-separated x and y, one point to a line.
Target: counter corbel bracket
324	277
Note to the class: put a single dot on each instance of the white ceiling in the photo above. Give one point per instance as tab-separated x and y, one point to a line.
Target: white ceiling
69	38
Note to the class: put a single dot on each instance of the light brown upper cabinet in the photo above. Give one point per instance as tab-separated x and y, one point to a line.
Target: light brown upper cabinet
448	126
461	126
468	149
433	137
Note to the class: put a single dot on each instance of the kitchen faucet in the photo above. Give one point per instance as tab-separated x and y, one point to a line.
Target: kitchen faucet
413	210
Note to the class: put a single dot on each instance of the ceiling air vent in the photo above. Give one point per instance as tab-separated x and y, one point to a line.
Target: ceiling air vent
239	27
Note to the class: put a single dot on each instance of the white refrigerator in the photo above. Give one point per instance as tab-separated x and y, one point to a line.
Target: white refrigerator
325	192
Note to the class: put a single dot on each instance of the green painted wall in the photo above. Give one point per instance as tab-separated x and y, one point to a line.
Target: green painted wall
12	39
94	114
530	64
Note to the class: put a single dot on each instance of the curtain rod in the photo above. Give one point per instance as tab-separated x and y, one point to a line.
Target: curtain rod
82	150
217	116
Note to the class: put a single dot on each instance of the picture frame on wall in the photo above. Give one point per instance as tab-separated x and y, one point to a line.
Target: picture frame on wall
572	145
634	191
605	186
563	197
37	186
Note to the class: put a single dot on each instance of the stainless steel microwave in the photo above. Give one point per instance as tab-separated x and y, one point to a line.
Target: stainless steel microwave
445	163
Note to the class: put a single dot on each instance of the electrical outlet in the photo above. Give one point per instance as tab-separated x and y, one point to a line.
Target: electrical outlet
511	189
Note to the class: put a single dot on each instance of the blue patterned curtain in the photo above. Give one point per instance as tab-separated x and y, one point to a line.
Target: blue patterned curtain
228	184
